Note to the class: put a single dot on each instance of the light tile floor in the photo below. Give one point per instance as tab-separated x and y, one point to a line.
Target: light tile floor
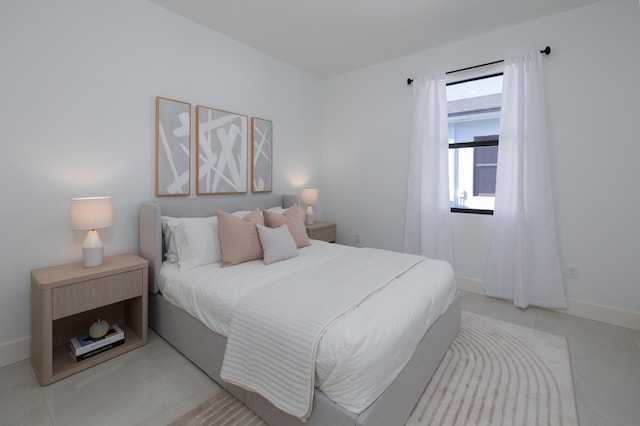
155	384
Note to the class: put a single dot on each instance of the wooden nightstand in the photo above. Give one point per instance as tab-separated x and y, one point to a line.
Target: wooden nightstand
66	299
325	231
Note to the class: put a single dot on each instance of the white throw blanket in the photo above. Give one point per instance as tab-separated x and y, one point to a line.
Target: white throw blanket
275	331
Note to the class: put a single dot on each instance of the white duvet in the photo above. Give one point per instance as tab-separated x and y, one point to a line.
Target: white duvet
360	354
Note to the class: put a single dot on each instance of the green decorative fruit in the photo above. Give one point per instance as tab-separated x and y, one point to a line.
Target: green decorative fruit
98	329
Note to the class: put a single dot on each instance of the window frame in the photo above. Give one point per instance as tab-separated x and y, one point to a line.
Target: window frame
480	142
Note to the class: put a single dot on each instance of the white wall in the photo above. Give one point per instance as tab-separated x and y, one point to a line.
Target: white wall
78	83
593	97
79	79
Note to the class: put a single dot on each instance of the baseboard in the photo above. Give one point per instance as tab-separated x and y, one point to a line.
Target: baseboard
469	284
575	307
14	351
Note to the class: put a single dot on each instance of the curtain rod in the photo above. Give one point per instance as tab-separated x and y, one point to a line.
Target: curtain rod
546	51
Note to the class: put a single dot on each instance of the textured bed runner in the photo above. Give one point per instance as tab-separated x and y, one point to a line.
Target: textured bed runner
275	331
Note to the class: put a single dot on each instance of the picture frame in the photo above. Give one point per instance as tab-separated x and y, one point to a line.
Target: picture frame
221	147
261	155
173	147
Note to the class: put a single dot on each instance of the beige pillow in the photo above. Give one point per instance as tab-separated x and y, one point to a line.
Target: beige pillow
239	240
277	244
294	219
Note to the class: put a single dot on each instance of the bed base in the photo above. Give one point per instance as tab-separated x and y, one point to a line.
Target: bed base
205	349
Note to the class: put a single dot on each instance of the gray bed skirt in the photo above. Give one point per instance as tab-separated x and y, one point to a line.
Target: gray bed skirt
205	349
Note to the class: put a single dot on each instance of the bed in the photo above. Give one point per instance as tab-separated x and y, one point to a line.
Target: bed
205	344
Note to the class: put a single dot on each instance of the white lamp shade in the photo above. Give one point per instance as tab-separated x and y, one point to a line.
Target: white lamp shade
91	213
309	197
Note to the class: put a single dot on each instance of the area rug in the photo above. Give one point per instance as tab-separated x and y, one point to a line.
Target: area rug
495	373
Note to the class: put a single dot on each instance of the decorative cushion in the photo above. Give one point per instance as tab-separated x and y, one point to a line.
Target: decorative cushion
196	241
239	238
277	243
294	219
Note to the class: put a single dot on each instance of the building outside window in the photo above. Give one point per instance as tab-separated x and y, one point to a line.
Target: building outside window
474	124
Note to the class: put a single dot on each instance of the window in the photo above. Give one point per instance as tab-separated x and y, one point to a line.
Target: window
485	165
474	124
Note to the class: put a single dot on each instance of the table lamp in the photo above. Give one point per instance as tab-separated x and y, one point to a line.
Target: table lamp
309	198
89	214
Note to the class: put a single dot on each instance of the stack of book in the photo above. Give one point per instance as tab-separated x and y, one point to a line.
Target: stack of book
83	347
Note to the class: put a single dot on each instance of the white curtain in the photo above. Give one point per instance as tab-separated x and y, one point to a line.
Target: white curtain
524	265
428	229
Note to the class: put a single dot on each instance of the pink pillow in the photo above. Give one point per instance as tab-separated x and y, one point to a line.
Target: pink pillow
239	239
294	219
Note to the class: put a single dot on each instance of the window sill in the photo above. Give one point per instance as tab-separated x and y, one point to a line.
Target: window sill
471	211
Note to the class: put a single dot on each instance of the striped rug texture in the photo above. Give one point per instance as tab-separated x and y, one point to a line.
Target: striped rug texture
495	373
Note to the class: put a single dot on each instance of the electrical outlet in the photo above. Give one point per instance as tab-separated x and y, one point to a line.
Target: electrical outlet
572	272
357	239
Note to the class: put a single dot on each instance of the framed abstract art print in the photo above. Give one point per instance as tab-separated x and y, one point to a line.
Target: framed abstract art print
261	155
221	145
173	147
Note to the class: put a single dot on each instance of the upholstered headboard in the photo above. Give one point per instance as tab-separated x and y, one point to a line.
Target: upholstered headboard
151	241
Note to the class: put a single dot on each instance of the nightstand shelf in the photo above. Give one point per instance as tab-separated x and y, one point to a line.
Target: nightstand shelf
325	231
64	365
66	299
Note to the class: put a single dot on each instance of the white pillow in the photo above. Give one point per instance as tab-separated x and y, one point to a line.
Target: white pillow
278	210
277	243
171	254
196	240
241	214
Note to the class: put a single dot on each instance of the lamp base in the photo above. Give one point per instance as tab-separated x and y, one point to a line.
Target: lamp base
308	216
92	250
92	256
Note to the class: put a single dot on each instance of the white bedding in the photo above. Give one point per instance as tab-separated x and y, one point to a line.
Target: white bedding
360	354
275	331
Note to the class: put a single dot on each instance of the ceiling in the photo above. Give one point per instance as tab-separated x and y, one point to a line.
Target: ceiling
331	37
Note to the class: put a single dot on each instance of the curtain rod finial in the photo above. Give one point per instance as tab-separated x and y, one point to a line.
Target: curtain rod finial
409	81
546	50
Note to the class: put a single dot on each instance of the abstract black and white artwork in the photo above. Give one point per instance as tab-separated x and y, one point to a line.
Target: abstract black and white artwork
222	151
261	154
173	136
